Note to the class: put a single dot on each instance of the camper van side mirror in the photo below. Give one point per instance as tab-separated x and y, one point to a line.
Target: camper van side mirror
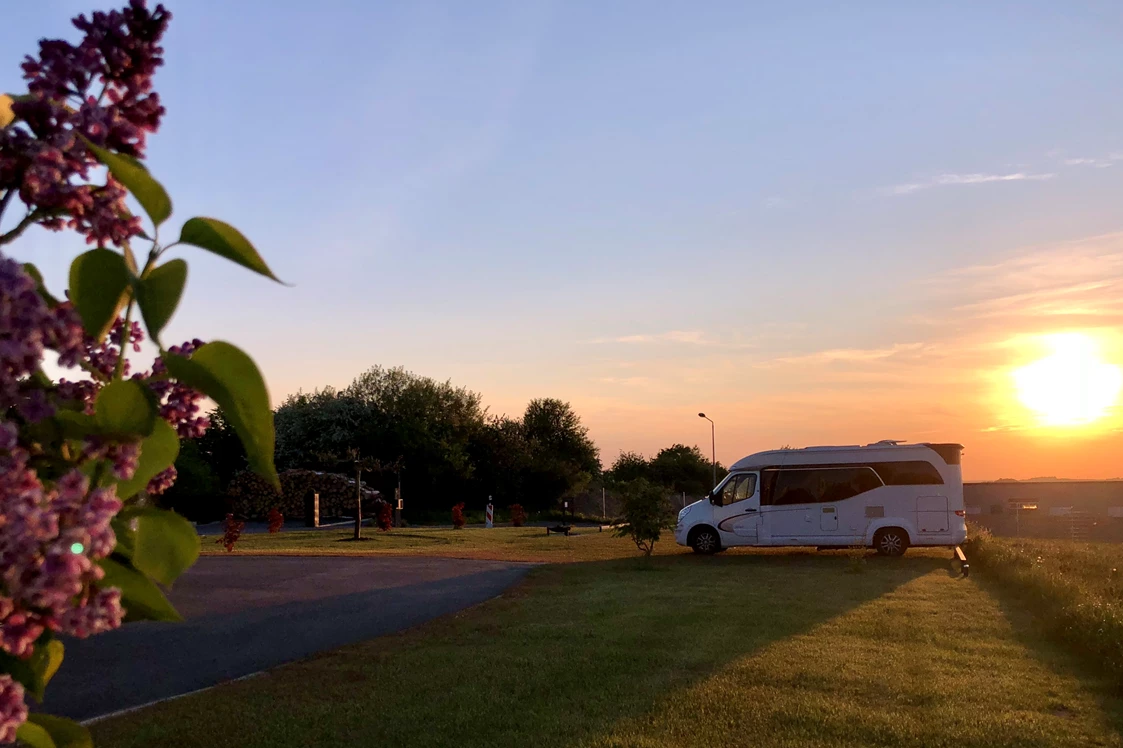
711	497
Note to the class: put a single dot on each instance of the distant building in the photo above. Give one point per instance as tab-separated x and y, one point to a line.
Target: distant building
1078	509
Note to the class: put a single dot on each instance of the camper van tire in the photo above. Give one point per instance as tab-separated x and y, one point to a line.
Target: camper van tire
705	540
891	541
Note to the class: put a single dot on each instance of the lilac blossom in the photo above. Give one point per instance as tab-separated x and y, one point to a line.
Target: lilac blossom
13	709
100	88
162	481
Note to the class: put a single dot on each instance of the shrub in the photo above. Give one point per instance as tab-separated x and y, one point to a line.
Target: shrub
646	514
77	452
231	531
458	515
1073	589
385	516
276	520
518	515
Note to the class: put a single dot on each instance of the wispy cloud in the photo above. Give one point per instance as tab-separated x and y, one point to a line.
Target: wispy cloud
851	355
627	381
1082	280
674	337
1097	162
690	337
775	201
944	180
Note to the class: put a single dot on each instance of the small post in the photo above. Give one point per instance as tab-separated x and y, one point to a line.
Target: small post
311	509
489	521
398	507
603	512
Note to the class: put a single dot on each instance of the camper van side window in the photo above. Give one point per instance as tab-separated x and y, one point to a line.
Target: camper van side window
909	473
783	486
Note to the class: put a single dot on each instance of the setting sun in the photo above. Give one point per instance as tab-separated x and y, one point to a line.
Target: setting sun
1072	386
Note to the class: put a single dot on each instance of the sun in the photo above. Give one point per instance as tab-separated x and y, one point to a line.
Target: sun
1072	386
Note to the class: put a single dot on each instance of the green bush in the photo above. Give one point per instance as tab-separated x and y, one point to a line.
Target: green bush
647	512
1074	589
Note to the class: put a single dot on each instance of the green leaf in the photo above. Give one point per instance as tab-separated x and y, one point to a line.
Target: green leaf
75	425
42	287
231	378
132	173
99	287
142	599
44	662
226	241
64	733
7	116
165	546
125	406
157	452
158	294
34	736
126	537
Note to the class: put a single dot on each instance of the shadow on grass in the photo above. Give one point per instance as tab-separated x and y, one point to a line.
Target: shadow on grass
1065	659
555	661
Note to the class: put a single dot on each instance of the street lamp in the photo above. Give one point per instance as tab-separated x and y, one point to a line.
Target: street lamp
713	445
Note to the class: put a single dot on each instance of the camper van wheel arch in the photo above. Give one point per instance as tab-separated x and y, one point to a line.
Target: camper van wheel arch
705	540
891	541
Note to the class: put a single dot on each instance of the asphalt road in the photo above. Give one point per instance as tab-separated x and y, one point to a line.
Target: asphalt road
245	615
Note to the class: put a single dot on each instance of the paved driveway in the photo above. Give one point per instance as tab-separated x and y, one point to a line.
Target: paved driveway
251	613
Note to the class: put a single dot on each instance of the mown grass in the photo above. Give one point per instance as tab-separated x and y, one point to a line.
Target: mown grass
1074	589
499	543
777	649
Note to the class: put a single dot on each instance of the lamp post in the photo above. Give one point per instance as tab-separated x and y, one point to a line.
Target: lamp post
713	445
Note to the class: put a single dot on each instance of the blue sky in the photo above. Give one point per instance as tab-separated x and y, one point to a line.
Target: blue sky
787	215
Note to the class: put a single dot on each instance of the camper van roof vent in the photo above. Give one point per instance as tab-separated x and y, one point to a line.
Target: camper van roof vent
887	443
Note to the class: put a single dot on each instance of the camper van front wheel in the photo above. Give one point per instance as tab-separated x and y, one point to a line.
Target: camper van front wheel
704	540
891	541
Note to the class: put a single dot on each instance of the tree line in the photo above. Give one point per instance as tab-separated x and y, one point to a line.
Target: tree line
439	441
678	468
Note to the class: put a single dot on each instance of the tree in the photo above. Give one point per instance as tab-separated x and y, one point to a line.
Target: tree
391	415
563	459
197	491
221	448
646	513
629	466
501	458
684	469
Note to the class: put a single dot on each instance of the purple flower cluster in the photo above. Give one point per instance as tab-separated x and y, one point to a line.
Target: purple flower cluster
13	709
101	89
50	540
162	481
102	357
179	404
27	328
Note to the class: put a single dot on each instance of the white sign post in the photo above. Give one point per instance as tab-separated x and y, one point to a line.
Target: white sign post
490	514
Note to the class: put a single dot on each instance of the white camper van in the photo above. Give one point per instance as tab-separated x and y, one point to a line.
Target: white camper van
887	495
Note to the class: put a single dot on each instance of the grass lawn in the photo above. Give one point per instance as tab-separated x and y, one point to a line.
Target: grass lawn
499	543
740	649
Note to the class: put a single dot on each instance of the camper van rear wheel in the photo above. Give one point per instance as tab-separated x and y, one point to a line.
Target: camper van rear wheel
891	541
704	540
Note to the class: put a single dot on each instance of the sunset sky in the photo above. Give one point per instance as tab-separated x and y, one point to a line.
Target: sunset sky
818	225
